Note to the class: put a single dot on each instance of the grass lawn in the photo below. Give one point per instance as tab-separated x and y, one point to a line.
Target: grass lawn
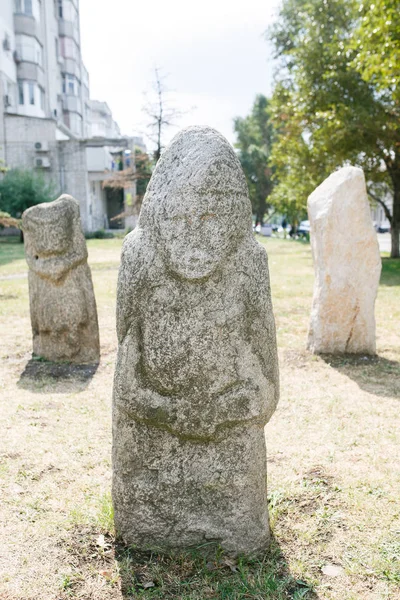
333	460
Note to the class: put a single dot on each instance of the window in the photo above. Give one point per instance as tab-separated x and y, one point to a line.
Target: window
29	49
69	49
75	123
31	92
70	85
41	92
28	7
68	11
20	92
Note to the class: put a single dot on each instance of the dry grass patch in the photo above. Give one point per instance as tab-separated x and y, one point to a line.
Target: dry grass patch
333	459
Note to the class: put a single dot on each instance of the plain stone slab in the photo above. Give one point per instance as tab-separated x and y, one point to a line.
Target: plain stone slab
62	302
347	266
196	378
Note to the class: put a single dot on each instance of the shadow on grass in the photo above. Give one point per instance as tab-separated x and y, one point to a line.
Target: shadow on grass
374	374
390	271
47	377
197	575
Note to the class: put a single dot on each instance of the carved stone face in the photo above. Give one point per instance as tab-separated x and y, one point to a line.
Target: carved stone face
50	228
195	232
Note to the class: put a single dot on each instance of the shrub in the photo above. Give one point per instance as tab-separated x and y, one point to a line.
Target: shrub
21	189
100	234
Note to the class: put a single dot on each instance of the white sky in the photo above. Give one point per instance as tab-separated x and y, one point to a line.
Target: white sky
213	51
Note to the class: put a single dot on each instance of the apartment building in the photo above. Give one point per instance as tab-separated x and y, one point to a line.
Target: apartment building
47	119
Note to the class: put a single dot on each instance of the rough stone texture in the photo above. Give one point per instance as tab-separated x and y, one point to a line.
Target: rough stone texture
62	303
197	372
347	265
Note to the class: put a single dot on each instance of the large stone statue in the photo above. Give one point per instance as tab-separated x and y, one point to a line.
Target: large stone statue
347	265
196	378
62	303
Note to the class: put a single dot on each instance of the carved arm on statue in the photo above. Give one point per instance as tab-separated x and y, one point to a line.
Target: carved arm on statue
55	266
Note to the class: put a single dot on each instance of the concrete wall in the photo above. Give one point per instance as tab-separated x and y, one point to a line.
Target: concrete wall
74	176
98	159
98	202
68	166
21	134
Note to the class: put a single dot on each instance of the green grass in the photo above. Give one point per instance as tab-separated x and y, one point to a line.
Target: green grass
333	461
390	271
194	576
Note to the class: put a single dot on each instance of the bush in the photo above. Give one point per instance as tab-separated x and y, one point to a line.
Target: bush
100	234
20	189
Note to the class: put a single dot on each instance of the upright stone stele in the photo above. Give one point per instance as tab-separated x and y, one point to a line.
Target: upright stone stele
196	378
347	266
62	303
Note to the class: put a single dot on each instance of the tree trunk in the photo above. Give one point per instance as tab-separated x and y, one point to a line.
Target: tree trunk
395	224
395	234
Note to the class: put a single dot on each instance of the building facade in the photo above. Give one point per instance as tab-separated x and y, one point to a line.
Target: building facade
47	119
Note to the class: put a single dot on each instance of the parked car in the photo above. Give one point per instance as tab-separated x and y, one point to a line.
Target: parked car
303	229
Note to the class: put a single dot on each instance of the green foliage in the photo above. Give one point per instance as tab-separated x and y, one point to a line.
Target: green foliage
21	189
254	140
333	104
144	169
377	41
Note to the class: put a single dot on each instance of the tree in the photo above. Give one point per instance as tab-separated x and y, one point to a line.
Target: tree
7	220
140	172
160	112
327	106
254	140
20	189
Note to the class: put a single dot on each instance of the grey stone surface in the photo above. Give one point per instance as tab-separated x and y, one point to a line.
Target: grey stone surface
196	378
347	265
62	303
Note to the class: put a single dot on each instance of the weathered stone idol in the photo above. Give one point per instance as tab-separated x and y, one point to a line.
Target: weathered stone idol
62	303
347	265
197	372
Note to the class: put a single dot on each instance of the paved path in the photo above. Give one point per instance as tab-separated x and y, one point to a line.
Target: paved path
384	242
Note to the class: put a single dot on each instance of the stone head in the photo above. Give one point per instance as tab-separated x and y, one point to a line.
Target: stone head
51	228
197	206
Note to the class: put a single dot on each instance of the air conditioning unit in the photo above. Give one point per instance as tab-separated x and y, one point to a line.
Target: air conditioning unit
42	146
6	44
42	163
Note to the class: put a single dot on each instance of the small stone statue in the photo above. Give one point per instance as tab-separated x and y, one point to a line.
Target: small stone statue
347	266
196	378
62	303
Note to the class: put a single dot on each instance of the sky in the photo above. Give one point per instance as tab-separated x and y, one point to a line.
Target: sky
212	53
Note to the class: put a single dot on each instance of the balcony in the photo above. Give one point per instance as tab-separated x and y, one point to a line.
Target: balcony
72	103
28	26
71	66
69	29
31	71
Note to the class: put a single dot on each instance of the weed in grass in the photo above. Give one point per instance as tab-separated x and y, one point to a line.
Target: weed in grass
105	515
